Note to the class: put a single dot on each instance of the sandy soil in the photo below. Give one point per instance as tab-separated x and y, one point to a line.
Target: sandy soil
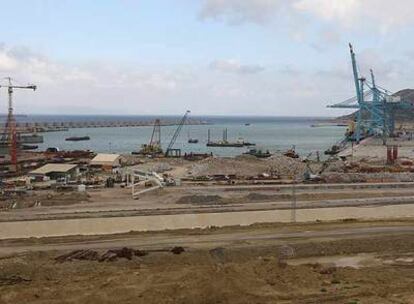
229	265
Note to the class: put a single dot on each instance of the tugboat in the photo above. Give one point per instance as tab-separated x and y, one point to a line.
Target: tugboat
77	138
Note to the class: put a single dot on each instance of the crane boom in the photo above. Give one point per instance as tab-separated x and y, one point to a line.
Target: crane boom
176	133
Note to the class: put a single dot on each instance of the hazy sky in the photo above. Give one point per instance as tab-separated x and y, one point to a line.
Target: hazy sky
248	57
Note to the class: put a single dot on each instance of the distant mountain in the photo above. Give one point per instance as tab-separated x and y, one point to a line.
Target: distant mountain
407	96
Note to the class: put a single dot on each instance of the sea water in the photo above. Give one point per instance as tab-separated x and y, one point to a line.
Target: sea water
268	133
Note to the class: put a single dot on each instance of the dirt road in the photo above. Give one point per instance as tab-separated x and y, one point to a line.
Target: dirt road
201	238
369	262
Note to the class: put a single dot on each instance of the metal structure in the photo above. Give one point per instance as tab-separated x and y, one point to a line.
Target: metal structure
154	147
156	134
10	134
375	106
170	149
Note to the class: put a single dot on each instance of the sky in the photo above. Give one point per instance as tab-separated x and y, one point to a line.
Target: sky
213	57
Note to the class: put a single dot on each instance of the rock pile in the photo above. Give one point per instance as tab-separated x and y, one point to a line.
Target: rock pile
249	166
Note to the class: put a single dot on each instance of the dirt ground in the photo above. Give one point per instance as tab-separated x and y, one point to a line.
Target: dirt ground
248	265
349	261
201	199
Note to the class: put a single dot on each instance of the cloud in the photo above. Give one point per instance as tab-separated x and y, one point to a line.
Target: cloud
377	15
7	63
233	66
98	88
240	11
107	88
381	14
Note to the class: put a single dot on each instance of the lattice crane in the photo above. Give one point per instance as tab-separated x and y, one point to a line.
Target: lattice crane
10	133
176	133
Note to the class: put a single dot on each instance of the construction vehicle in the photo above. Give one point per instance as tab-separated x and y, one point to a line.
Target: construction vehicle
171	152
154	147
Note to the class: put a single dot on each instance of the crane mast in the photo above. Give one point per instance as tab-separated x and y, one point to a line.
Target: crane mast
156	134
359	88
10	133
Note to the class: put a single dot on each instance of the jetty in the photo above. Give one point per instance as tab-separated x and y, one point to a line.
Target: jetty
54	126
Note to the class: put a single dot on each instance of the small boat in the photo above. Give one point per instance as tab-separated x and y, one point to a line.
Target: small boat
258	153
247	124
248	144
29	147
77	138
192	140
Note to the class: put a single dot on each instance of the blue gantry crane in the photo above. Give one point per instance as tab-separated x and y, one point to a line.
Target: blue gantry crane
375	106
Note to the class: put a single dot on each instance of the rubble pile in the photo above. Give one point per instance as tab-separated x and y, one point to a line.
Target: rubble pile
248	166
286	166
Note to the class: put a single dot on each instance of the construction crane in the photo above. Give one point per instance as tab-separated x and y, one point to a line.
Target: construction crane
156	134
154	146
10	132
375	106
170	149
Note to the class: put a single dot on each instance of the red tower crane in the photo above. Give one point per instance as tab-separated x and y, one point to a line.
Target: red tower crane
10	133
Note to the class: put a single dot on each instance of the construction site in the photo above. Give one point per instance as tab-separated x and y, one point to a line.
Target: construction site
159	225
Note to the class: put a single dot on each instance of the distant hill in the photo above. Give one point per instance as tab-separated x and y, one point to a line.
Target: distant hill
407	95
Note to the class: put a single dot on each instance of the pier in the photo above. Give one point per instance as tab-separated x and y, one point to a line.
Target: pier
54	126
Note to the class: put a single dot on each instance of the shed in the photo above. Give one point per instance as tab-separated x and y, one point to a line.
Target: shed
56	171
106	161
